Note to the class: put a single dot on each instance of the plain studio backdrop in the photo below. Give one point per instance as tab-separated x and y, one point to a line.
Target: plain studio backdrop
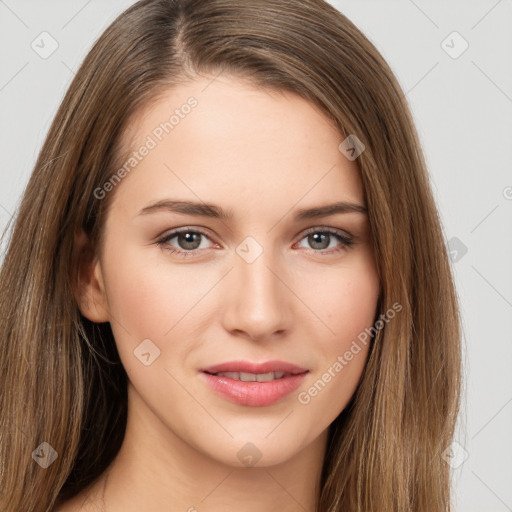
454	62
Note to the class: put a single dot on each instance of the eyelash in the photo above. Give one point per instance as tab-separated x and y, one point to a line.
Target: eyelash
346	241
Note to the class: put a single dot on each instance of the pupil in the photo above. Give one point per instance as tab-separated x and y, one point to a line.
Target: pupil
188	240
315	240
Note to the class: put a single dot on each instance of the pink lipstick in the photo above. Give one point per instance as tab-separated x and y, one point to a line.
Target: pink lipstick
254	384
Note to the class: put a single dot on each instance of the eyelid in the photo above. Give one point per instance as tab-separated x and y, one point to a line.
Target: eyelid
174	232
328	229
186	229
346	239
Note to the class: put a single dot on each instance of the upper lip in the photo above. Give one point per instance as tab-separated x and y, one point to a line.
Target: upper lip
249	367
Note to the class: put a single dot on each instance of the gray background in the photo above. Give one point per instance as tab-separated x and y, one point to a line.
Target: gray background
462	104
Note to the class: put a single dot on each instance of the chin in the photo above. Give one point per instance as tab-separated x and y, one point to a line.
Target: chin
259	450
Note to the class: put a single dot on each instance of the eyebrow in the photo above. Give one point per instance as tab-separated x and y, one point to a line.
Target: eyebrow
216	212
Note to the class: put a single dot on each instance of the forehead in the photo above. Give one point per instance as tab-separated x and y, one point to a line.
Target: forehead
225	135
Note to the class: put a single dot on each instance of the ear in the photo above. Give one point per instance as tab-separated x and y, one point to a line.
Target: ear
90	290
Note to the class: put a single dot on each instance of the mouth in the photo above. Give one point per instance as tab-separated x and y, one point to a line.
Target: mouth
253	377
247	367
254	384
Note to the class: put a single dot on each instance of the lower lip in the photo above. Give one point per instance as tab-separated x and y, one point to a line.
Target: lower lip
255	394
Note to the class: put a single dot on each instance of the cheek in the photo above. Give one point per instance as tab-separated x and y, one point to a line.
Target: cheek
151	298
148	293
347	302
349	306
349	323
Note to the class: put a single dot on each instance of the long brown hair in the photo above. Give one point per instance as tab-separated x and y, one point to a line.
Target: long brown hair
61	379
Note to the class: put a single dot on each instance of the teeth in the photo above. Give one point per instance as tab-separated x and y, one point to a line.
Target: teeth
252	377
230	375
248	377
265	377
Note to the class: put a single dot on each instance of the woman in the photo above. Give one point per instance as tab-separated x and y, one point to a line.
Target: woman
176	334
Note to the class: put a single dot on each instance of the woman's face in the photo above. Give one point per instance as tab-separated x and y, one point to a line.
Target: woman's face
262	284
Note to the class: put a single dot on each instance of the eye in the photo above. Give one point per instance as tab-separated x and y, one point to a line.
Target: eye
188	240
320	239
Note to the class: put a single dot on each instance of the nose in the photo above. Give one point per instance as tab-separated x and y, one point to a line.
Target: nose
257	300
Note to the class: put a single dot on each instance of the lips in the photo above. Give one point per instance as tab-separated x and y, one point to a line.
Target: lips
253	377
255	368
253	384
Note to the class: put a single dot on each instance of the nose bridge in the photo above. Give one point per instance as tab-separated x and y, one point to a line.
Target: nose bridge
258	302
254	271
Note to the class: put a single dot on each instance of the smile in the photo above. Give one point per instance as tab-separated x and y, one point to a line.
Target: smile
253	377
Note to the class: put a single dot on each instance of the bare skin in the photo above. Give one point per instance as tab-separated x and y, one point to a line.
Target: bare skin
264	155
